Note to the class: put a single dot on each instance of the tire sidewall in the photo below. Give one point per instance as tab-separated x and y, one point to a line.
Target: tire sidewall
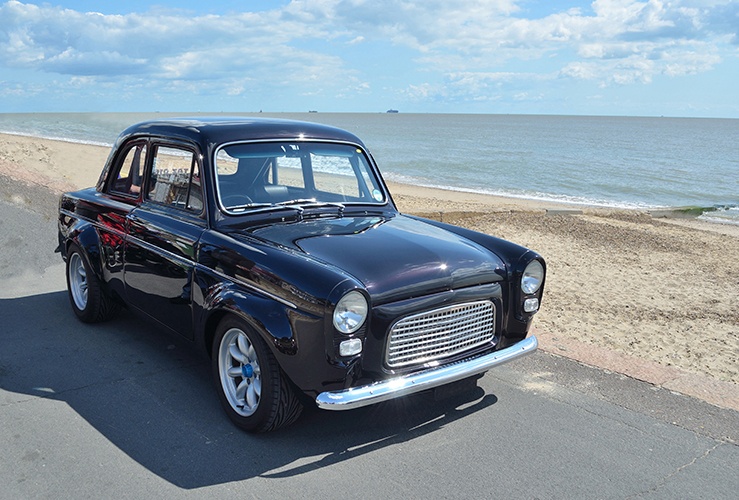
264	415
86	314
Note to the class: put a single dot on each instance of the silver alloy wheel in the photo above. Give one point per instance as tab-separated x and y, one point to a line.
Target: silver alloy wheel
78	281
238	368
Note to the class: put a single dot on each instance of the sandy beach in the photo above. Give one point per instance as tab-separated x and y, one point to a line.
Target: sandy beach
664	290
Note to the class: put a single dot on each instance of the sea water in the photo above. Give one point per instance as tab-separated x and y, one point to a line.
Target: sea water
620	162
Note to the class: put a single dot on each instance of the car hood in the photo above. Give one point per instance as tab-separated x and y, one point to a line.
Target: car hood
394	257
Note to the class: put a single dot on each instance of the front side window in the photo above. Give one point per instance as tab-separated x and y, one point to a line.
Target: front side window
175	179
263	174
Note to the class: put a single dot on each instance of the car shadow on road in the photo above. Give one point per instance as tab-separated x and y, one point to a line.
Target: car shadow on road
151	396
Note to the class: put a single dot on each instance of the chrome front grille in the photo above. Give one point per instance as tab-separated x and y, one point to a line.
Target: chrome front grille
440	333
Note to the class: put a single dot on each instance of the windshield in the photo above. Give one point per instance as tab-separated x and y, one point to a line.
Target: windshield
276	174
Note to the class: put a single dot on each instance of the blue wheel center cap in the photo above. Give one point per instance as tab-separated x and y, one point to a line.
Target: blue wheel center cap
247	371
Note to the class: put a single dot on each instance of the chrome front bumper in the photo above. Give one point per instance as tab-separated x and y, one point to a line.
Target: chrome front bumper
356	397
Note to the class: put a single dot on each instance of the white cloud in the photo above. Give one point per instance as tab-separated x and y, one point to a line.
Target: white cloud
468	49
423	92
526	96
16	90
73	61
46	37
484	36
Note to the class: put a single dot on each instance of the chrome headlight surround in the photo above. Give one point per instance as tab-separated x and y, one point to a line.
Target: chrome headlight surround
532	277
350	312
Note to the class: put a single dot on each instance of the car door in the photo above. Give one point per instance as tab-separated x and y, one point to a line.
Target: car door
162	237
121	195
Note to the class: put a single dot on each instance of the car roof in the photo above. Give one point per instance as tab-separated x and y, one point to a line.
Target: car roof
209	131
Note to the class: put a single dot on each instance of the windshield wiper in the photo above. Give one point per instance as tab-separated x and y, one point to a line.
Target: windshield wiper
240	208
298	204
297	201
301	204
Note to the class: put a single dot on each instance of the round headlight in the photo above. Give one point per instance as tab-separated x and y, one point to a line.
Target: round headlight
350	312
532	277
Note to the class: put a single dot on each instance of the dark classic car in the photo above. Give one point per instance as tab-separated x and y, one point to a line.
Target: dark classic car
276	248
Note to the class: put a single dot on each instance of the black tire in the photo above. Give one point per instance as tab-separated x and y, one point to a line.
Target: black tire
255	393
89	301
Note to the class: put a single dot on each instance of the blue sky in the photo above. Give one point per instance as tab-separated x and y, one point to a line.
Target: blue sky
608	57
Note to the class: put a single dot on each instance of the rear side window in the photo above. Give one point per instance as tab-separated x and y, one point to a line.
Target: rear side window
130	174
175	179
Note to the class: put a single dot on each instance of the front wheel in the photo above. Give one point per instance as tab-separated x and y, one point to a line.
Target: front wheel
253	390
89	301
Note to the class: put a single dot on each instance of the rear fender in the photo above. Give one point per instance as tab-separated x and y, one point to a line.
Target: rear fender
86	237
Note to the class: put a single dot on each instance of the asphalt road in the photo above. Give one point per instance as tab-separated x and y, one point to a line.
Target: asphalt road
121	410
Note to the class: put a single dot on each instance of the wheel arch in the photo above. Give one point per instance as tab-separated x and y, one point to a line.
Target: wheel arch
275	402
98	303
87	239
266	317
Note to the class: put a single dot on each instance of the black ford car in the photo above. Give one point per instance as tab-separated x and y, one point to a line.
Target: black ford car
276	248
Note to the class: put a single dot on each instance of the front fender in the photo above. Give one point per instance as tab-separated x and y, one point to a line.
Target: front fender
295	337
268	317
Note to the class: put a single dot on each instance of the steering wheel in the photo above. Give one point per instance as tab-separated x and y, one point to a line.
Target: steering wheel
235	200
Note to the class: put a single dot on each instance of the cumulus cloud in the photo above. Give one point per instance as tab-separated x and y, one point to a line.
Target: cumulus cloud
45	37
485	34
467	47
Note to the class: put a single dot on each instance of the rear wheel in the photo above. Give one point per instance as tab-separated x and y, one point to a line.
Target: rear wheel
255	393
89	301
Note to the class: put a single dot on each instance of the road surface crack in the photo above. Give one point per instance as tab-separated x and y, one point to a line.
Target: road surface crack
662	482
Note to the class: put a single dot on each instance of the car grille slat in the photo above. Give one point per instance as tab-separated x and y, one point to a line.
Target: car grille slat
443	332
